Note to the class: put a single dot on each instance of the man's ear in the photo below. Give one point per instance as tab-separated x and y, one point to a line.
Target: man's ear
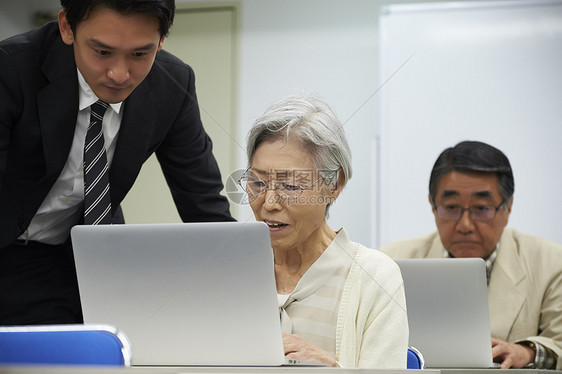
508	211
65	30
510	204
431	203
161	44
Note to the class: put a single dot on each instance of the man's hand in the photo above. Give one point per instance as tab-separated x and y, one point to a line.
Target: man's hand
511	355
297	348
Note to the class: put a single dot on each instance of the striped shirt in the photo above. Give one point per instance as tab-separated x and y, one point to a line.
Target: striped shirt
311	310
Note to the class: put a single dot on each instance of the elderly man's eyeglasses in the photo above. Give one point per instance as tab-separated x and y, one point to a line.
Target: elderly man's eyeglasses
255	187
477	212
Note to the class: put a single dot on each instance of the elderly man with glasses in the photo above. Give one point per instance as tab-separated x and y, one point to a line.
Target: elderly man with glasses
471	195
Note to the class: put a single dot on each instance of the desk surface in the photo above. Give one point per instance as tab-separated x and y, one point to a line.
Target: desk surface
249	370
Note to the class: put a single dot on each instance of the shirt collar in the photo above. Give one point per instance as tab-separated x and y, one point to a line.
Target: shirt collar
87	97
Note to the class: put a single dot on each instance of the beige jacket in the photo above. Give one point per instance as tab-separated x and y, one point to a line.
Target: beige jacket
525	289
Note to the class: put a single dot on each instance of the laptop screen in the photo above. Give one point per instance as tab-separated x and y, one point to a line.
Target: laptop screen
448	316
184	294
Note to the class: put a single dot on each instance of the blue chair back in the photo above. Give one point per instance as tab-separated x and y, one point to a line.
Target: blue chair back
64	345
415	359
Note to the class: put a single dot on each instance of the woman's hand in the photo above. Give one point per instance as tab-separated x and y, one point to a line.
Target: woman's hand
297	348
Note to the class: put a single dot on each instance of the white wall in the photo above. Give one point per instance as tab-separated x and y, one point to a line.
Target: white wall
488	72
329	47
326	46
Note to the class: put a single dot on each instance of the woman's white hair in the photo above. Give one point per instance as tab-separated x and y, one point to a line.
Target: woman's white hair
310	121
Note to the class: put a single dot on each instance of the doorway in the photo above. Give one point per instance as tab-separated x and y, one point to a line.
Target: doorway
205	36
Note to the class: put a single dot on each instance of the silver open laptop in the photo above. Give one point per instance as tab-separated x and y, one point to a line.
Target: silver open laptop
184	294
447	301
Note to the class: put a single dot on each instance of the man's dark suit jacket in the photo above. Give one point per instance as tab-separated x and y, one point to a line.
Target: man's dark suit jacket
38	111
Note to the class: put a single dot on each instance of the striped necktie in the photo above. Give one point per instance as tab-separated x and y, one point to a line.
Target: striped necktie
97	199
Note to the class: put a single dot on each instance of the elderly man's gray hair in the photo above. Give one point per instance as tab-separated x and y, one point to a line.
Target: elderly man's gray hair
308	120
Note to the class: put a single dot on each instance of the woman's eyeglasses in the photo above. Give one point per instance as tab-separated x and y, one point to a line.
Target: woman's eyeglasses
255	187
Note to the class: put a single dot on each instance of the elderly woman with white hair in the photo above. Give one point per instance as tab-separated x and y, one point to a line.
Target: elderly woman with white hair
341	303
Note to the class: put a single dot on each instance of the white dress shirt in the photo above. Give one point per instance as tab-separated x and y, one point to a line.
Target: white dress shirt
64	204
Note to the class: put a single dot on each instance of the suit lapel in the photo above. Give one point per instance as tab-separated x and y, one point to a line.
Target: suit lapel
436	250
506	294
58	106
135	134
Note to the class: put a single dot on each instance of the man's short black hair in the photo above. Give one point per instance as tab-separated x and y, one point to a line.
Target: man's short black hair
79	10
473	156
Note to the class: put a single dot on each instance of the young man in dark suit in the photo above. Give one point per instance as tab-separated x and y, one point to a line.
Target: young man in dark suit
50	78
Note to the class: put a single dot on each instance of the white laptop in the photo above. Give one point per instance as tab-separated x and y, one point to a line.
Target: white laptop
447	303
184	294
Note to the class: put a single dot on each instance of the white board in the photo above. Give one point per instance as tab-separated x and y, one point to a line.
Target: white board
488	71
